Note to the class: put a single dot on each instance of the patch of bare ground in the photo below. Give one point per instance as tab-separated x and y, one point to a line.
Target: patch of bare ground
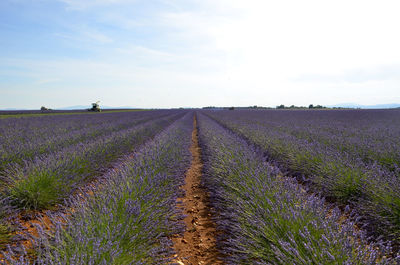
198	243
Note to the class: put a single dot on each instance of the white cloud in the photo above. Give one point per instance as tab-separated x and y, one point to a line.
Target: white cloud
97	36
84	33
84	4
267	44
144	51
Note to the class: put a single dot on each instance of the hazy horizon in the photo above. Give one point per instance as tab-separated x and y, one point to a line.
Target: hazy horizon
175	53
343	105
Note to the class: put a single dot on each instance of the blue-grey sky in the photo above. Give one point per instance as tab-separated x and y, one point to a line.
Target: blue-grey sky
193	53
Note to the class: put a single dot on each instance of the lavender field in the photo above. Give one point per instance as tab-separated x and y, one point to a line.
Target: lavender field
349	156
283	187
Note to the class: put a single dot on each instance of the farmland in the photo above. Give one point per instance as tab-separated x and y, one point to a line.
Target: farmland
201	187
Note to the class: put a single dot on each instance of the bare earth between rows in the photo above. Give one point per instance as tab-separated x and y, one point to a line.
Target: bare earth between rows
198	243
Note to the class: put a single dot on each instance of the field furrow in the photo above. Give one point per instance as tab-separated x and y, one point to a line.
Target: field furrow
197	245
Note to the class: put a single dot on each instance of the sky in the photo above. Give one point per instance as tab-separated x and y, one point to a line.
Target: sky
195	53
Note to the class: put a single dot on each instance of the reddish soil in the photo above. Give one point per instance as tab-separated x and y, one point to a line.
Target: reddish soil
198	243
27	221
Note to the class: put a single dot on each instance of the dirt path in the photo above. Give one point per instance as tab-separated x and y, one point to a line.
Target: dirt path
198	243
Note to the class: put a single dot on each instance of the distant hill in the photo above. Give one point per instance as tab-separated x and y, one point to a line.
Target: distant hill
78	107
12	109
378	106
341	105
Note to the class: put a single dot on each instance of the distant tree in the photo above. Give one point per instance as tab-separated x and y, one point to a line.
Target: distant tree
231	108
316	107
292	106
43	108
280	106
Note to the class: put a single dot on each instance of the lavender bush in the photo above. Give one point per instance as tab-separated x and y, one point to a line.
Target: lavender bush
69	151
46	181
23	139
269	219
129	220
350	156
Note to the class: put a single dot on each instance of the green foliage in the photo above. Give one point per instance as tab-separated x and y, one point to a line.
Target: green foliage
5	234
348	185
388	160
39	190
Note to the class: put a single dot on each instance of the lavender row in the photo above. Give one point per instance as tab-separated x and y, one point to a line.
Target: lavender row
372	136
43	182
267	218
129	220
26	138
372	189
13	113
